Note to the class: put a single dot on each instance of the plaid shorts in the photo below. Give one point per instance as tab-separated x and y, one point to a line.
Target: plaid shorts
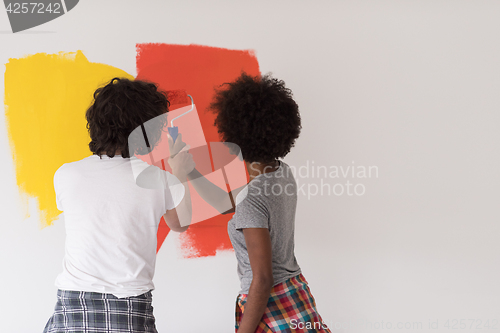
291	308
91	312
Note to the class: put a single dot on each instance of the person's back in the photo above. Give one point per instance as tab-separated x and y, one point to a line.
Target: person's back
269	201
111	221
111	225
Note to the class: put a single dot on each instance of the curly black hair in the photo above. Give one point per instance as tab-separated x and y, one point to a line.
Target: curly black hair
259	115
118	108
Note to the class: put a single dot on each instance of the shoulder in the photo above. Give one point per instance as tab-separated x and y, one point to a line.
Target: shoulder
60	172
253	196
151	176
67	169
64	169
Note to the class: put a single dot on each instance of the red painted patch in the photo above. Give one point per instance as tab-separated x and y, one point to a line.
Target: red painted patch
198	70
162	233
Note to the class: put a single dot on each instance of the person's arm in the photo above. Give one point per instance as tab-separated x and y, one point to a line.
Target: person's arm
183	211
213	194
216	197
179	218
258	244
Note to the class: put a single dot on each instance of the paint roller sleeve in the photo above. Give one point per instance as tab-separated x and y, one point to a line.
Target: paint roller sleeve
177	99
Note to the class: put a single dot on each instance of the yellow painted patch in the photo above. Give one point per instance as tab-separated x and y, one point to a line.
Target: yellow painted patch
46	97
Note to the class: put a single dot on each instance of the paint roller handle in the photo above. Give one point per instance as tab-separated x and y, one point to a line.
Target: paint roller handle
174	132
177	146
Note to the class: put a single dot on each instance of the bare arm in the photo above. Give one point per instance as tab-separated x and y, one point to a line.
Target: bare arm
182	213
213	194
181	162
216	197
258	244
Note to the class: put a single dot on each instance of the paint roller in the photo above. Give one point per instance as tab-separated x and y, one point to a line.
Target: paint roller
177	98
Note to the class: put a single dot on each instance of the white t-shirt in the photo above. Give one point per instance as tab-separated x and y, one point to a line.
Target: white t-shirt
111	222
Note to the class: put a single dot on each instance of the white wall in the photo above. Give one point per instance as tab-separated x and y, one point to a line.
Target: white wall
408	86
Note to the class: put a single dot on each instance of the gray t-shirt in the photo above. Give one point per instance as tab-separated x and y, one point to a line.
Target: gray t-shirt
268	201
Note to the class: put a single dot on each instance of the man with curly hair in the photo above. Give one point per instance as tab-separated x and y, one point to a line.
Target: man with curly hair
259	115
111	222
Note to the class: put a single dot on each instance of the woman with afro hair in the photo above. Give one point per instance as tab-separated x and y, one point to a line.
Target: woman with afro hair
259	115
111	223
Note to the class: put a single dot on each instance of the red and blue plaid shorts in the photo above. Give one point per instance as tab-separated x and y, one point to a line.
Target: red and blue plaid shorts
291	308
